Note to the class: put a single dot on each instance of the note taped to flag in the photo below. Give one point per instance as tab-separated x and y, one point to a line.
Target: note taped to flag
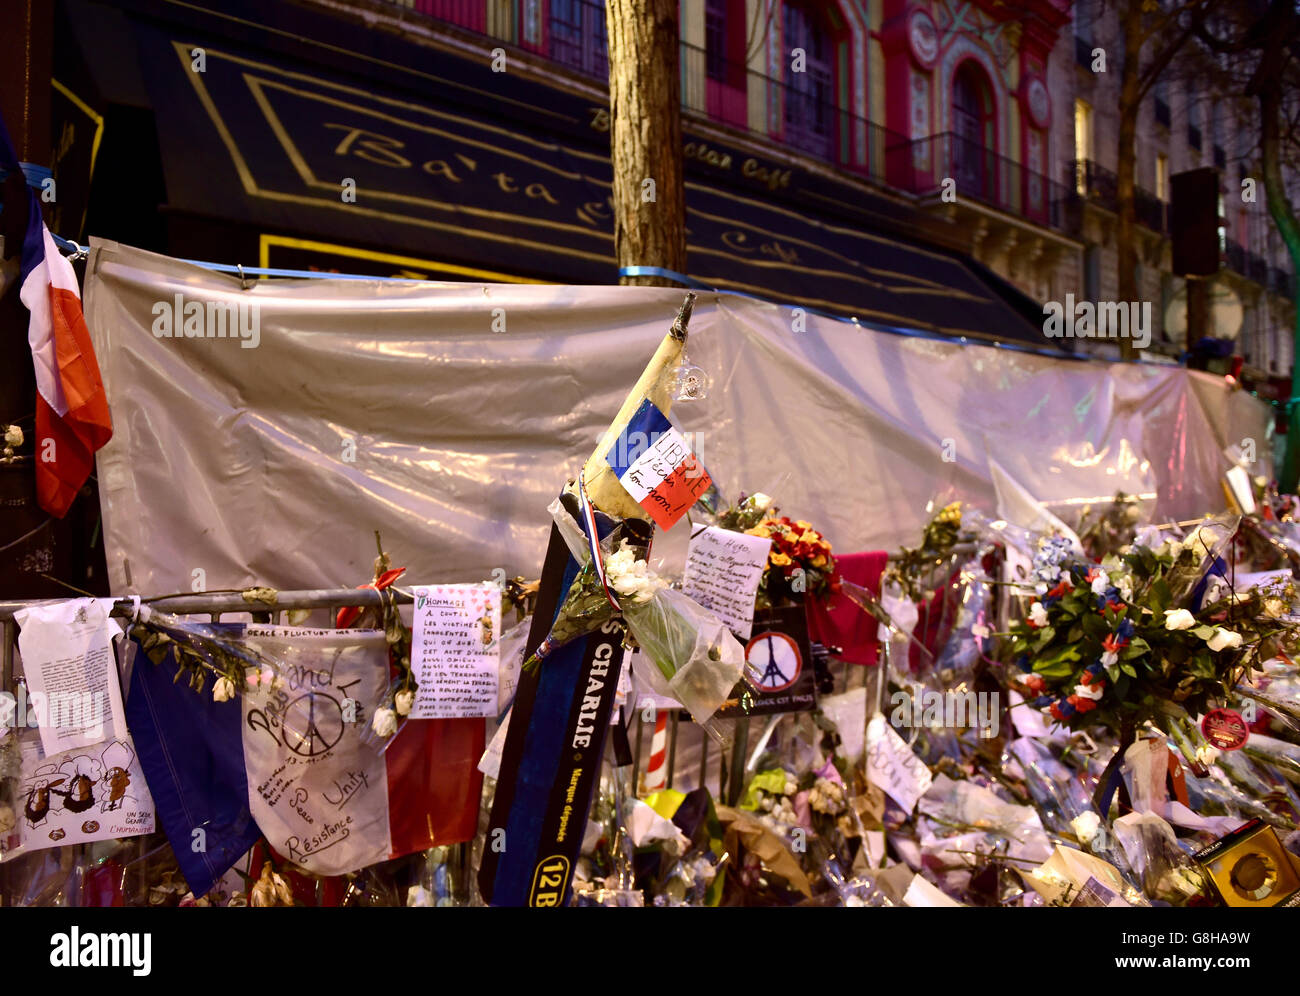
656	466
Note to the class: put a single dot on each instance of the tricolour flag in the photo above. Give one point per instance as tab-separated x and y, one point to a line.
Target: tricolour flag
292	759
72	419
655	465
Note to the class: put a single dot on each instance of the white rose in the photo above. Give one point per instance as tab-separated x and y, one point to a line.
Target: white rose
13	435
385	722
1038	614
223	690
1125	586
403	700
1085	826
1179	619
1224	639
1207	754
760	501
1100	583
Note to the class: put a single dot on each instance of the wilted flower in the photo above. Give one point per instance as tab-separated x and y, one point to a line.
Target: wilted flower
13	435
1038	614
1274	608
223	690
1207	754
1179	619
403	701
385	722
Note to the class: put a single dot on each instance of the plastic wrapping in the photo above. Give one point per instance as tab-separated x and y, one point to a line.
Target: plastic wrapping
395	405
697	659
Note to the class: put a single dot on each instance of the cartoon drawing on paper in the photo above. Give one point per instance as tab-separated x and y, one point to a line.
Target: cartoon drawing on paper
38	801
101	776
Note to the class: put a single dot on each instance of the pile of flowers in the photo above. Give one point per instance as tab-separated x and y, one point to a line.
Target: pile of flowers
1145	636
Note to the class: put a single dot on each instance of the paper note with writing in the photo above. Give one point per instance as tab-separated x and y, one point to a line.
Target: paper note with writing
723	569
892	766
456	650
71	671
656	466
80	795
317	784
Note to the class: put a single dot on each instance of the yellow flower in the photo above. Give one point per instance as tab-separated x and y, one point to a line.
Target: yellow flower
819	561
809	536
779	559
805	526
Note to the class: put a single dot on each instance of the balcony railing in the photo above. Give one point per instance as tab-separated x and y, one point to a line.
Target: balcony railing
1152	211
1092	180
978	173
1100	186
1250	265
798	116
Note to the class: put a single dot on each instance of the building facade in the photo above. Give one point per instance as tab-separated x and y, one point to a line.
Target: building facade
1005	100
823	136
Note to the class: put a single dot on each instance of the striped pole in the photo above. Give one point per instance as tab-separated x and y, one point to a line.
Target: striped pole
656	773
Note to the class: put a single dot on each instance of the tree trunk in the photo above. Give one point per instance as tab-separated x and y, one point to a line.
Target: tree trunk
1126	162
646	137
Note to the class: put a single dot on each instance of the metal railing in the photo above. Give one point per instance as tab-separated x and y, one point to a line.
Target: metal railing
979	173
802	116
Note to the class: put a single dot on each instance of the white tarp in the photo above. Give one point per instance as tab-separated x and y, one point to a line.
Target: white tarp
448	415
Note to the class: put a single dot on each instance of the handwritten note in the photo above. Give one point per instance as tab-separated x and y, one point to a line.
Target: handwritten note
892	766
71	672
317	783
456	650
723	569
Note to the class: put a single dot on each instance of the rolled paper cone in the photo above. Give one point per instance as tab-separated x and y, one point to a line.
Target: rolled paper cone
603	487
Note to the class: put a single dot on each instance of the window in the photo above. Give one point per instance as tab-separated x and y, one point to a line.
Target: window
810	95
715	39
1162	176
1082	144
974	133
1160	91
1193	119
578	36
1083	32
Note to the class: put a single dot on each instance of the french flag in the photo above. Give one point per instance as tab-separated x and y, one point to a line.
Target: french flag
655	465
72	419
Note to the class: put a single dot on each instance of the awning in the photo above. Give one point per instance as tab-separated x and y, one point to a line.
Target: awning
353	158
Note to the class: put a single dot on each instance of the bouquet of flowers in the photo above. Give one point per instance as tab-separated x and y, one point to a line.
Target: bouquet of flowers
698	657
800	560
1146	636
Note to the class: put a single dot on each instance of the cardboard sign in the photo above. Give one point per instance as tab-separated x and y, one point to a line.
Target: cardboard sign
780	654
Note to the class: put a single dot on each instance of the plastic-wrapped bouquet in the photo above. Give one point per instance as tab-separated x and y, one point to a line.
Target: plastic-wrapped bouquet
1149	635
699	659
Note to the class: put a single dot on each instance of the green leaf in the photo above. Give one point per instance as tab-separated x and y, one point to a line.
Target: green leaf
1129	670
1204	632
1094	625
1075	634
